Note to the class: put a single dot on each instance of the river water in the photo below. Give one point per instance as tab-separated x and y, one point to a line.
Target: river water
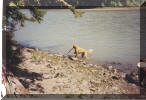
114	36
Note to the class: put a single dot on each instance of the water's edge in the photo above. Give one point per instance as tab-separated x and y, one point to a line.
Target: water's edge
128	69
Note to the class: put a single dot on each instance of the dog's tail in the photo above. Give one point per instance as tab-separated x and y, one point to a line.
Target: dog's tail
90	50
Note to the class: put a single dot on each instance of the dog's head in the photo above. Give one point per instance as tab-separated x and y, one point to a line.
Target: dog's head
75	45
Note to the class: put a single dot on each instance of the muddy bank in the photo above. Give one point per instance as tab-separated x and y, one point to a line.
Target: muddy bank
41	72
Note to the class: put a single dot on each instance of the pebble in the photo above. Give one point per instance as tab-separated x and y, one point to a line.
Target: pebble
64	56
84	63
90	64
55	67
51	55
56	75
36	49
115	71
110	67
123	75
115	77
58	55
49	65
73	58
29	50
14	48
49	60
65	62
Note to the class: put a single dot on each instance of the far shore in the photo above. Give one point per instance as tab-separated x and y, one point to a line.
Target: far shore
103	9
112	9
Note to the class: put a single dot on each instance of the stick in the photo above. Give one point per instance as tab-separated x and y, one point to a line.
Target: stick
70	50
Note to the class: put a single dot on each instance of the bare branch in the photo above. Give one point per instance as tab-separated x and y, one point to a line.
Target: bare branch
75	12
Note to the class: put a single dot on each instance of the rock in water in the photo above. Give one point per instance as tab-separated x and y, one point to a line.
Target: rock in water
73	58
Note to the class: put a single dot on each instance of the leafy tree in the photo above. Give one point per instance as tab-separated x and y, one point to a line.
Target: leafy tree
120	4
115	4
137	3
127	2
102	4
112	3
133	3
15	17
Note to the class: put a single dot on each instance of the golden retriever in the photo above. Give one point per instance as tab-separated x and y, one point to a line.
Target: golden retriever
81	51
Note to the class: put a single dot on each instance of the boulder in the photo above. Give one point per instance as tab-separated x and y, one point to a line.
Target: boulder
110	67
14	48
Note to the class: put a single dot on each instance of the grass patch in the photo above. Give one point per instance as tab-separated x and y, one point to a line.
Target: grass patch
38	56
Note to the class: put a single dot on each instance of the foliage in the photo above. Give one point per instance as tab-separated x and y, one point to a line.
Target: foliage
14	16
121	3
102	5
38	56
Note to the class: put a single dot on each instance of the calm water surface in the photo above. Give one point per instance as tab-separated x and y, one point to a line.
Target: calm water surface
113	35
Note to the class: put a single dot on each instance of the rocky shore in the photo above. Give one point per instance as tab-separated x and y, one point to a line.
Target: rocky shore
41	72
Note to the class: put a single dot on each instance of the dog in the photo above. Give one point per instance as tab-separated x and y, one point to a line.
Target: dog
81	51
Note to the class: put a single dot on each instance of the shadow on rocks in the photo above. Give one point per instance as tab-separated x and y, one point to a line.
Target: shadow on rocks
132	78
